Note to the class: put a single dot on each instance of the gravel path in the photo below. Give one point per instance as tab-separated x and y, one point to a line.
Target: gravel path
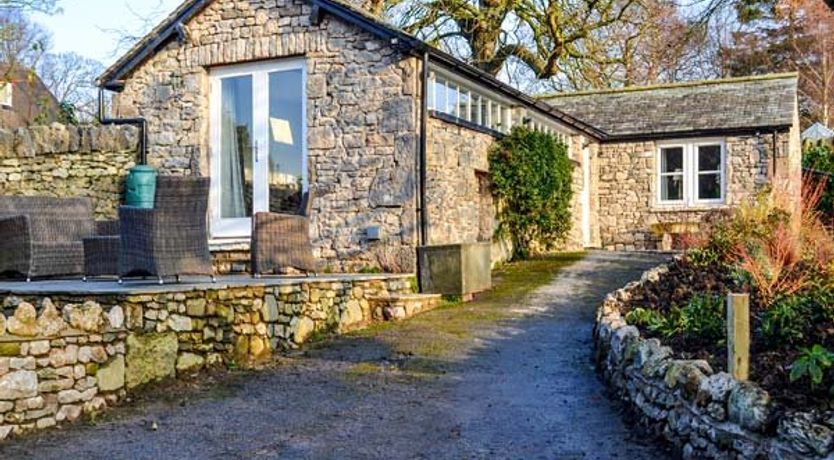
526	389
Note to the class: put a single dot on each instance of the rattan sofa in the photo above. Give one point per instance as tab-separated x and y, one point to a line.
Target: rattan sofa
172	238
42	236
281	241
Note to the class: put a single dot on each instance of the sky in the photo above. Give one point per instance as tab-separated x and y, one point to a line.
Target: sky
82	26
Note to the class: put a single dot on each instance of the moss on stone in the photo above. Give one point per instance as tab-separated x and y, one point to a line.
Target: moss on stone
10	349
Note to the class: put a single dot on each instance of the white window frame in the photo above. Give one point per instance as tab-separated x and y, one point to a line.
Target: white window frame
690	173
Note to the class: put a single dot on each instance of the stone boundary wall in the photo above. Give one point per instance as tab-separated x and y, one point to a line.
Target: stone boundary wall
59	363
65	160
704	414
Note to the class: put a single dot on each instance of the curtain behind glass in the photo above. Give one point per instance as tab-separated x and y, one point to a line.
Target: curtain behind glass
235	135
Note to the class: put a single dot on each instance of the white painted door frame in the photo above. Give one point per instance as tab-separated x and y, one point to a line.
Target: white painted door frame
240	228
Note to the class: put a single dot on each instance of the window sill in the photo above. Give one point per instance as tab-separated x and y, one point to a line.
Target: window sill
663	208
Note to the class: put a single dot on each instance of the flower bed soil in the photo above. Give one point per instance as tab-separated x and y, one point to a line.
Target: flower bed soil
770	366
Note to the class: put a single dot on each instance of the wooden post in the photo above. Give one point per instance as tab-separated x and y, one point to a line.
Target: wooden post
738	335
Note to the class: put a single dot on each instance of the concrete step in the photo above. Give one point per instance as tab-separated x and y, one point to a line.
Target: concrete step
398	307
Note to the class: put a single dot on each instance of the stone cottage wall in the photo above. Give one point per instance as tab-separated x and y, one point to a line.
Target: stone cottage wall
68	161
460	210
361	116
628	217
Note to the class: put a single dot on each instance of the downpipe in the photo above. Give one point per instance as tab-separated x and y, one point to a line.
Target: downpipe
140	123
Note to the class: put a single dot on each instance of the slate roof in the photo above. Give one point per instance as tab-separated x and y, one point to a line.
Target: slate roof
748	104
817	132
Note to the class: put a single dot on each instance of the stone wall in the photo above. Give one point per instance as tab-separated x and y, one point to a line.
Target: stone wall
460	209
362	103
62	362
628	215
59	160
704	414
55	367
455	158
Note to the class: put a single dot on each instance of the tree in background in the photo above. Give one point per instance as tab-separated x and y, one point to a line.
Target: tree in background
71	78
547	36
797	36
25	45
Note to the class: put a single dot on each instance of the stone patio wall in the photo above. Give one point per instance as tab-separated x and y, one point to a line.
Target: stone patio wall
362	105
60	160
630	218
54	369
79	353
703	413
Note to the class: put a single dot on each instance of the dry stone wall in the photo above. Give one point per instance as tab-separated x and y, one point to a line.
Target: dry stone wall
362	103
629	217
60	160
58	365
703	413
77	353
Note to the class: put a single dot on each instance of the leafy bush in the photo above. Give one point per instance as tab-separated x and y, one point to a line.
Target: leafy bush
812	364
819	158
531	177
702	318
787	320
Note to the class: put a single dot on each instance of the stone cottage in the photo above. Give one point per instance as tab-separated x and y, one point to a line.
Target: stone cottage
273	97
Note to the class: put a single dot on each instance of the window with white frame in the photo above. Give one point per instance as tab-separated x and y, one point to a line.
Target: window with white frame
6	94
691	173
476	104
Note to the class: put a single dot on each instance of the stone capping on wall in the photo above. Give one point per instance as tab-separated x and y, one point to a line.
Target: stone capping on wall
704	414
62	139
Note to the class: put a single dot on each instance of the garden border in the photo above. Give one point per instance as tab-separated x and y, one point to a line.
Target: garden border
702	413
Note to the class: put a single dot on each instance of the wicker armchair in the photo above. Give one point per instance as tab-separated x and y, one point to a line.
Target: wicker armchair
41	236
172	238
283	240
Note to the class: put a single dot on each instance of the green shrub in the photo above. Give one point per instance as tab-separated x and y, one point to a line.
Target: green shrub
820	157
812	364
531	177
701	319
786	320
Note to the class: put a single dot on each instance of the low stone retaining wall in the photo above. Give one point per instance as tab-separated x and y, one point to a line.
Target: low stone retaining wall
705	414
79	352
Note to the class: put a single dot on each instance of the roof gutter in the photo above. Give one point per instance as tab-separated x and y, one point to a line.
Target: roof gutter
747	130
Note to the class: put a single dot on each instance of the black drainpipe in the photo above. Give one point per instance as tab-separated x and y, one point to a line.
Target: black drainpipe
140	123
424	120
422	217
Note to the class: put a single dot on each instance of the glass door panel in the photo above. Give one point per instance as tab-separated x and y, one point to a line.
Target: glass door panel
286	143
235	172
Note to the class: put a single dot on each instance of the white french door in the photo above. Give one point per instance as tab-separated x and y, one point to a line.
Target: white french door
258	142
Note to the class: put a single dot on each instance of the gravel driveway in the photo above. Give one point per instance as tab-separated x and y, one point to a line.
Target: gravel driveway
507	380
